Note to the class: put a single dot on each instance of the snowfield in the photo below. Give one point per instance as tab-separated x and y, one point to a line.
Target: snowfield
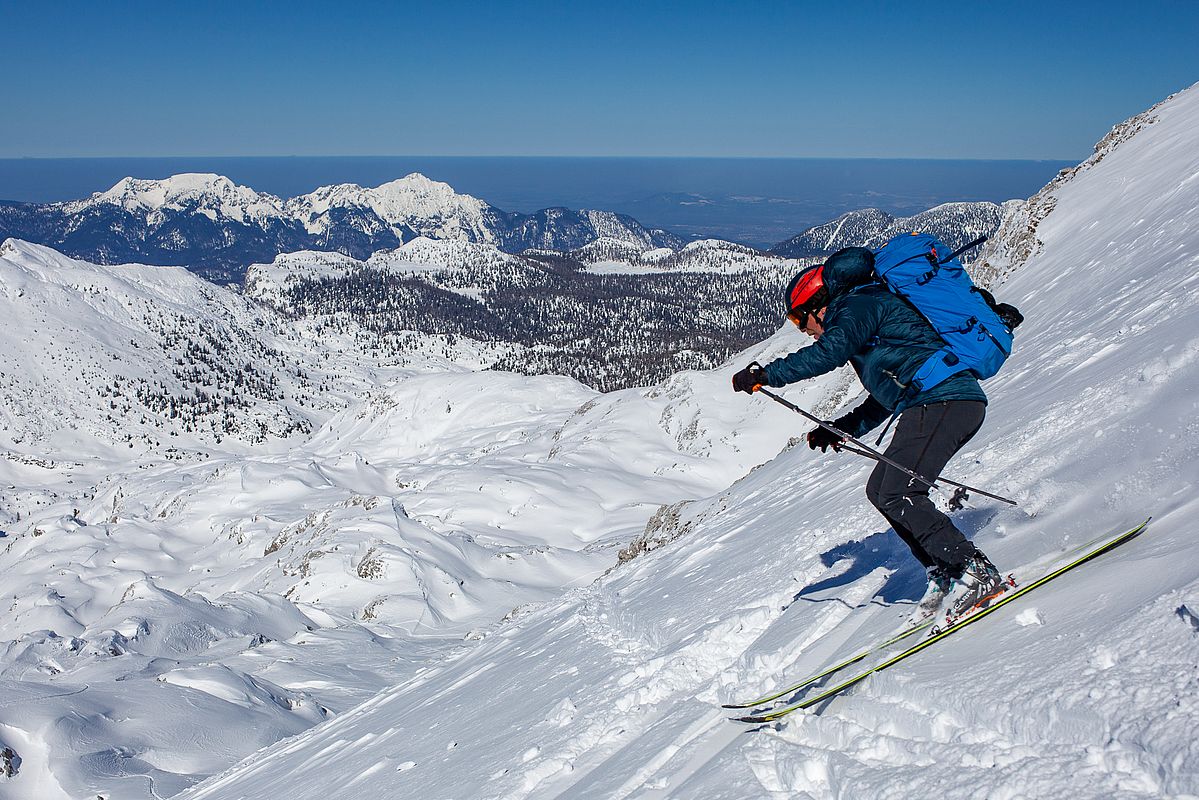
180	598
477	585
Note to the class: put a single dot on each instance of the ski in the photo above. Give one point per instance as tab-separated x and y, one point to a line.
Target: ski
778	713
835	668
873	649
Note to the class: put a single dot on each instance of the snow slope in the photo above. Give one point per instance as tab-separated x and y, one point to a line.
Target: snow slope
174	606
126	353
1087	689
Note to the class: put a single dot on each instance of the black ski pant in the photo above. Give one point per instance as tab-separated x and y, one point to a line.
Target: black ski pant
926	437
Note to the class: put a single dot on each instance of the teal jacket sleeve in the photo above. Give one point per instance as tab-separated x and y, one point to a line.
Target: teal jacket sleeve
849	326
863	419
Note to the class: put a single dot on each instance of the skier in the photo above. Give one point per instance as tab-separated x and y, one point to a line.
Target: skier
855	319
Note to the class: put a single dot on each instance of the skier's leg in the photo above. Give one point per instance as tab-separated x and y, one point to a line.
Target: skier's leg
926	437
913	543
872	493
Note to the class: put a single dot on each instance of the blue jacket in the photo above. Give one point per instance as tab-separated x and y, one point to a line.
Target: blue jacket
882	336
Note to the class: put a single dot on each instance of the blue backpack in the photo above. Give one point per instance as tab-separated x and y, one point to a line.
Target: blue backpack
977	332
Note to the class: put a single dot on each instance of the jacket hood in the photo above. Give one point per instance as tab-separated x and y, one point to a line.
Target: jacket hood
848	268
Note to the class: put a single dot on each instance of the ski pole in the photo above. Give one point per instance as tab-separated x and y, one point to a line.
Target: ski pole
864	449
963	249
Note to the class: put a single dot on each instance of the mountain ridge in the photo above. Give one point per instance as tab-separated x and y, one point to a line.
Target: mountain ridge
955	223
216	227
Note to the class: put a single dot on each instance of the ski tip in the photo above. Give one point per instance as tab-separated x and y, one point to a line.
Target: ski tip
752	720
765	718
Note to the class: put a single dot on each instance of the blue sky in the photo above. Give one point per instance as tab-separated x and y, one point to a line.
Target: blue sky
858	79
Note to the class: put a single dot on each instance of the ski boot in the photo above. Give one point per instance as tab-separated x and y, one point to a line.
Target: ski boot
939	585
978	586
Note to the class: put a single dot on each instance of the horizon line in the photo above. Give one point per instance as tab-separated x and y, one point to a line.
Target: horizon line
551	157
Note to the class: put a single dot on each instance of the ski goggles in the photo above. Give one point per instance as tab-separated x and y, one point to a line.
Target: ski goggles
799	316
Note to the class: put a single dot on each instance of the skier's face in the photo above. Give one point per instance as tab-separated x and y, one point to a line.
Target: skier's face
813	324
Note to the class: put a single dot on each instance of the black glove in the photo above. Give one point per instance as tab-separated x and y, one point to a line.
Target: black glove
750	379
824	439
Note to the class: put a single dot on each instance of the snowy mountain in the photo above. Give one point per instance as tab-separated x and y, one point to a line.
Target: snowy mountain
157	359
608	324
1018	237
270	283
215	227
608	256
138	355
955	223
197	587
202	221
1086	689
213	196
475	584
411	204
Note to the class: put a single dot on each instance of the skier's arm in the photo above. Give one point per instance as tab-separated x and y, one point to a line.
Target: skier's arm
863	419
845	336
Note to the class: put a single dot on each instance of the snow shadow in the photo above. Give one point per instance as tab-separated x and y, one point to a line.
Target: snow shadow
878	550
884	549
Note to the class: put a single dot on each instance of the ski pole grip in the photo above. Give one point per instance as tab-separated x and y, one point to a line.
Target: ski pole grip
752	364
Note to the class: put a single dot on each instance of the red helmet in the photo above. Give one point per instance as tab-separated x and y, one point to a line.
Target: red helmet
806	291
